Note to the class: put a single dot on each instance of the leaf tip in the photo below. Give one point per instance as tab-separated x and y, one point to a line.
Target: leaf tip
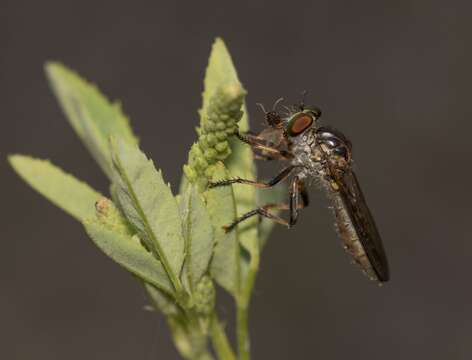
219	40
53	68
17	161
13	158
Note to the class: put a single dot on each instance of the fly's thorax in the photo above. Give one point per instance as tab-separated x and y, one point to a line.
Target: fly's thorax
334	146
334	151
330	155
302	150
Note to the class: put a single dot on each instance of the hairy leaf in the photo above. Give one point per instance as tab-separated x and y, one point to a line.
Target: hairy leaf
221	206
162	301
198	232
241	161
149	205
91	114
241	165
223	98
129	253
220	71
65	191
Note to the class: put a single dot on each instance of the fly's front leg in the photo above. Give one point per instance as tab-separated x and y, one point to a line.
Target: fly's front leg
257	143
260	184
252	139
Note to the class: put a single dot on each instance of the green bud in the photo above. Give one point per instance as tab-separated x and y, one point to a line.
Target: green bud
224	117
190	173
224	154
231	130
221	146
209	172
221	135
221	125
203	142
211	139
204	296
209	126
210	154
202	163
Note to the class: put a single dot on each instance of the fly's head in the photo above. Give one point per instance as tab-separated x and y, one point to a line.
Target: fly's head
300	121
300	133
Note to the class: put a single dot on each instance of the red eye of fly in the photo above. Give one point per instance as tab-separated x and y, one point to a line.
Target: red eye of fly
298	124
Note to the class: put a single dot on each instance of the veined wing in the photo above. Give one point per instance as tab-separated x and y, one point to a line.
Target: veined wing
357	227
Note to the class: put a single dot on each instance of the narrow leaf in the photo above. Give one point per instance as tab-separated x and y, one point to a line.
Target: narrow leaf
221	206
129	253
240	163
198	231
149	205
220	71
93	117
223	98
65	191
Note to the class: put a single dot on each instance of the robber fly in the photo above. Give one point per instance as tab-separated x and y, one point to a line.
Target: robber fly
324	155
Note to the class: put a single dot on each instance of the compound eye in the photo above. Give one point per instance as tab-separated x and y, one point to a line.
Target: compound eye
299	123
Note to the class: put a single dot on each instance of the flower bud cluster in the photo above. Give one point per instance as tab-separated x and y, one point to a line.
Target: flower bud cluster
204	296
218	123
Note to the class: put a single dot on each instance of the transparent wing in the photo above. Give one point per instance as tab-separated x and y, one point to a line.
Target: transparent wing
357	227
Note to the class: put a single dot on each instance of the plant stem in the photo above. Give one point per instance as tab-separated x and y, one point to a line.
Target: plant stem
242	330
220	341
242	308
204	356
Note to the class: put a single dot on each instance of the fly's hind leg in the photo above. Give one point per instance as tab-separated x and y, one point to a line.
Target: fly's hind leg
298	199
262	211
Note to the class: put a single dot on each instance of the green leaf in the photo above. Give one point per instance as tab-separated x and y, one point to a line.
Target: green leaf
223	98
241	161
198	232
65	191
161	301
220	71
149	206
241	165
129	253
221	206
93	117
108	214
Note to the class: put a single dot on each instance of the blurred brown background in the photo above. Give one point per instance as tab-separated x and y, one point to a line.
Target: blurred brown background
395	76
